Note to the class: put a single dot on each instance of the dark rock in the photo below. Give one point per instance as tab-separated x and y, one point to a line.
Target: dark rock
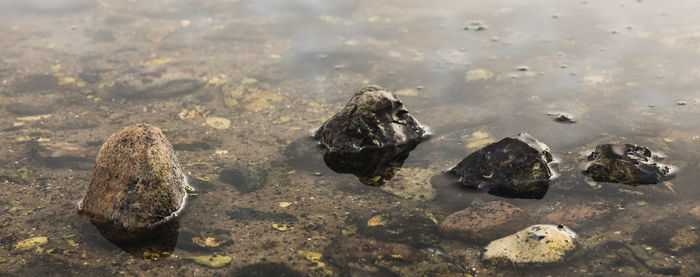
625	163
514	167
265	270
24	109
155	243
371	136
136	183
35	84
483	223
403	227
245	178
305	154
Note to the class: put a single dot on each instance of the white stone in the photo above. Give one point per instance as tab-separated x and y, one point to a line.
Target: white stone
534	244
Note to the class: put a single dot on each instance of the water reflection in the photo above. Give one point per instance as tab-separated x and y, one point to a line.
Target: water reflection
156	243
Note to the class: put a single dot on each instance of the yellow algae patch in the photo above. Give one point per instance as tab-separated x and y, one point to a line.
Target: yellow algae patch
215	80
215	261
478	75
280	227
248	81
478	139
407	92
285	204
257	102
349	230
66	81
376	220
310	256
281	119
218	122
250	98
34	117
29	244
158	61
596	79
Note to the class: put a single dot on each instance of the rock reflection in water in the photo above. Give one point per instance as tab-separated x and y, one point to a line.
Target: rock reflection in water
151	244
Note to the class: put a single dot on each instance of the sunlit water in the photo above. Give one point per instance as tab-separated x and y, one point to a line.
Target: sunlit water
73	72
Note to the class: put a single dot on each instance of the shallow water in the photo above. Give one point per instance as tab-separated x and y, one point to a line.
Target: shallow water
72	72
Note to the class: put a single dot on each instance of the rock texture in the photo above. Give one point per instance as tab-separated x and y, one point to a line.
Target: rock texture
579	215
136	182
537	244
514	167
625	163
485	222
371	136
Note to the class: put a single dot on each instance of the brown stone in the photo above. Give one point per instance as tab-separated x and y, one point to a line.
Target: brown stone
485	222
136	182
578	215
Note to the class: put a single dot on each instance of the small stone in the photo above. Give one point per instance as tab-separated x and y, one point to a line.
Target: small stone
522	68
136	182
370	137
681	103
514	167
564	118
625	163
245	178
535	245
484	222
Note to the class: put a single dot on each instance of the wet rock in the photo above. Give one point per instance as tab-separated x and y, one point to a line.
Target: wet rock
155	83
537	244
246	178
24	109
370	137
514	167
358	256
673	233
407	227
136	183
266	269
563	117
579	215
412	184
60	154
625	163
485	222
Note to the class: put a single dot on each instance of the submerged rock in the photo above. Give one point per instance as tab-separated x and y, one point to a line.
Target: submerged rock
370	137
485	222
136	183
155	83
412	184
625	163
409	227
579	215
244	178
514	167
537	244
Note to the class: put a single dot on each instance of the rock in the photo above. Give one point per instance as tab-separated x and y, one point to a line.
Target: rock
537	244
486	222
625	163
514	167
370	137
245	178
563	117
155	83
368	257
266	269
407	227
579	215
136	183
696	212
60	154
412	184
672	233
